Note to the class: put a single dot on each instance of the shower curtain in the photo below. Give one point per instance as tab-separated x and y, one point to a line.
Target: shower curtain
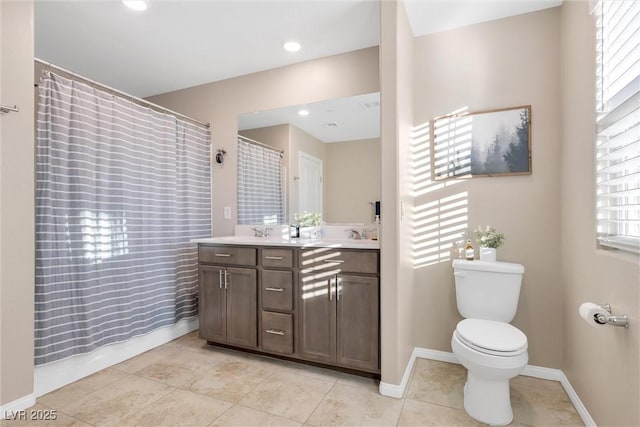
260	199
120	191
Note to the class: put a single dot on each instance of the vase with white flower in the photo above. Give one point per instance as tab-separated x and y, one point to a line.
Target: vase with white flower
489	240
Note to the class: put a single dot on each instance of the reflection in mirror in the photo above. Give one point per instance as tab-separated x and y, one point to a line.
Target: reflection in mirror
330	159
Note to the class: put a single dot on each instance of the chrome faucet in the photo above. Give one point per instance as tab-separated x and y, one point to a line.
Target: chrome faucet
354	234
261	232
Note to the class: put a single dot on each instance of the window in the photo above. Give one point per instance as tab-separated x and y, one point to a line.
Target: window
618	124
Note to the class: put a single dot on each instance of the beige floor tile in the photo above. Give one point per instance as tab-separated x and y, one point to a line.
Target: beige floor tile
438	382
178	408
309	370
121	399
74	391
243	416
164	352
231	380
370	384
191	340
543	404
288	395
348	405
183	368
415	413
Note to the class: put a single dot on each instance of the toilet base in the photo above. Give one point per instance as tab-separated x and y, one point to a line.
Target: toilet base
488	401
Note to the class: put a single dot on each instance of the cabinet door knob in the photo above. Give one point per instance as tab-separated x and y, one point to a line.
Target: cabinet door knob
277	258
223	255
274	289
274	332
226	282
220	278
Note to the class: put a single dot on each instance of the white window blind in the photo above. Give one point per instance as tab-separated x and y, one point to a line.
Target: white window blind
618	124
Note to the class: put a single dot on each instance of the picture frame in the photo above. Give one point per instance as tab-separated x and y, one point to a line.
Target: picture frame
481	143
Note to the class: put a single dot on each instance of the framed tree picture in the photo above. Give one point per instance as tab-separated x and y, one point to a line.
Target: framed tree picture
481	143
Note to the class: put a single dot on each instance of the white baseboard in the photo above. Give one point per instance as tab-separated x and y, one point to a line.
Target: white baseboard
8	410
397	391
52	376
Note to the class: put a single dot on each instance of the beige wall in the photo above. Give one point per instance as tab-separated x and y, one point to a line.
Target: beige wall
16	202
601	364
352	180
337	76
396	92
503	63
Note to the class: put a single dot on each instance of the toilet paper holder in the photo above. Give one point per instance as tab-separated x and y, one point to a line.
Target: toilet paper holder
615	320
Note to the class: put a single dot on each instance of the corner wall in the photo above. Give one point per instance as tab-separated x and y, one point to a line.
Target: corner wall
602	364
397	288
16	206
497	64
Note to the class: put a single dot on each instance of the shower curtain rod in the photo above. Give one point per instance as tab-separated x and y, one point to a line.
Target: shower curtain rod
262	144
124	94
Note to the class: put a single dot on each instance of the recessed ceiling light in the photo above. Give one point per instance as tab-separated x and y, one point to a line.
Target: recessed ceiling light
138	5
303	112
291	46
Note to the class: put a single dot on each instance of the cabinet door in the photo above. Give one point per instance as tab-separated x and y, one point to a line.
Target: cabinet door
242	308
316	332
212	309
357	322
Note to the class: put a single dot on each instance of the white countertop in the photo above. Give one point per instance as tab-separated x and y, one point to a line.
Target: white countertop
301	243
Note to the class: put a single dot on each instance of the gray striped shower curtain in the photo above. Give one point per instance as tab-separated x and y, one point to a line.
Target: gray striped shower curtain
120	191
260	195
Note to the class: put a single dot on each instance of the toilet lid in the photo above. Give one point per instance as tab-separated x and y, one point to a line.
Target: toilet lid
491	337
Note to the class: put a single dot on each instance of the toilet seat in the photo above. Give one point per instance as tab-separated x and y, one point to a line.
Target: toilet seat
491	337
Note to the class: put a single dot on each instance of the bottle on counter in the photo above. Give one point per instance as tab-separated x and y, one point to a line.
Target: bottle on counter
469	253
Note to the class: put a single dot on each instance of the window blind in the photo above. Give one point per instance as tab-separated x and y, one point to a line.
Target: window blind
260	199
618	124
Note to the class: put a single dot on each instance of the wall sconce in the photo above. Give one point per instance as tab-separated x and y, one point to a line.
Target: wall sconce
220	156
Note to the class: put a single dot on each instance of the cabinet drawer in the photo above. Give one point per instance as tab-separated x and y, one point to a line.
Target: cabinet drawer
340	261
279	258
277	290
277	332
227	255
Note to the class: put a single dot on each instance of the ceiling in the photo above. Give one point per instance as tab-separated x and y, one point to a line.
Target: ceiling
176	44
335	120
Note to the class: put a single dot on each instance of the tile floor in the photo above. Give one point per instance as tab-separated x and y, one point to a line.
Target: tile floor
187	383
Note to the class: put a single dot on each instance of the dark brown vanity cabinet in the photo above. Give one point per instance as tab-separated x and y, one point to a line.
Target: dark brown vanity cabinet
277	300
338	307
228	295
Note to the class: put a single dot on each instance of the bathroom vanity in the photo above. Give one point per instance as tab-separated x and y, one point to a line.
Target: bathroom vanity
309	300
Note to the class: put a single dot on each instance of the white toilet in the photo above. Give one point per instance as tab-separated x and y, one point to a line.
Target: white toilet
492	350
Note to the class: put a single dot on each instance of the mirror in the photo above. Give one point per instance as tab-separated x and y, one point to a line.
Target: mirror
331	155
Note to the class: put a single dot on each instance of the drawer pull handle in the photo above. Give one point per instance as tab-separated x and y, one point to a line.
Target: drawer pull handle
274	332
223	255
277	258
334	261
274	289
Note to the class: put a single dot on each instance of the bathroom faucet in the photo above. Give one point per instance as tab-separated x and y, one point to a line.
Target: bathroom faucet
261	232
354	234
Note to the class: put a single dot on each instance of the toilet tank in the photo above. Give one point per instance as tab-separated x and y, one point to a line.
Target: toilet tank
487	290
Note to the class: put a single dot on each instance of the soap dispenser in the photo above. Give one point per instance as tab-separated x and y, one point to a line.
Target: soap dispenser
469	253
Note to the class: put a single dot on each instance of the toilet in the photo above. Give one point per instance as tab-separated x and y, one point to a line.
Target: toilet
492	350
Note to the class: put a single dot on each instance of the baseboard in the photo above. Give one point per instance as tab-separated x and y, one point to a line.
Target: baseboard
9	411
52	376
398	391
